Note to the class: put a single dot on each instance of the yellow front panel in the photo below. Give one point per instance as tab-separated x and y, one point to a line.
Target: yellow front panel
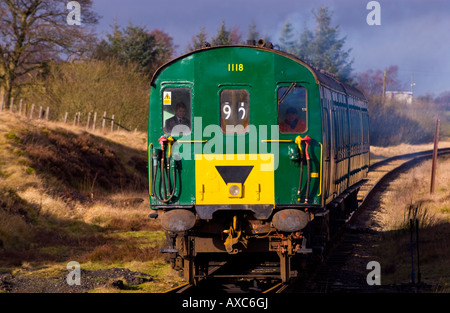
234	179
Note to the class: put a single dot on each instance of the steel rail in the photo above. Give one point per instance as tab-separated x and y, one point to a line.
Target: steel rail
411	160
414	157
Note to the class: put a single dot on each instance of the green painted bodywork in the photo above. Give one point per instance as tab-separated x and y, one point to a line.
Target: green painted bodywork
206	73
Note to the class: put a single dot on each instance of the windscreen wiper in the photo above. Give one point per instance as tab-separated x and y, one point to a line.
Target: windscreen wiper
288	91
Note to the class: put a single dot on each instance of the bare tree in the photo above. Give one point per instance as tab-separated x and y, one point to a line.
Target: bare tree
371	81
33	32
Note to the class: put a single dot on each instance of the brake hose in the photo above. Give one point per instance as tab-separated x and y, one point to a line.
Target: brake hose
307	140
298	141
164	171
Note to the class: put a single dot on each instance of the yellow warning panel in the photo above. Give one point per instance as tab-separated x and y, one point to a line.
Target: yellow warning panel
167	98
234	179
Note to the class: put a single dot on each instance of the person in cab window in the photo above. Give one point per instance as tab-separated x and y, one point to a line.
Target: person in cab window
178	119
292	123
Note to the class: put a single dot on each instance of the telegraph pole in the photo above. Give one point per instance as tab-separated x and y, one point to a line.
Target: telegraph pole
435	149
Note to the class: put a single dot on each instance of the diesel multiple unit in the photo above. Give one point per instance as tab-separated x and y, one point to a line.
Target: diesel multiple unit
252	152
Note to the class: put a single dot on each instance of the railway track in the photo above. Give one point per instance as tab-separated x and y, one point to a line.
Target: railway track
335	275
252	276
331	275
229	286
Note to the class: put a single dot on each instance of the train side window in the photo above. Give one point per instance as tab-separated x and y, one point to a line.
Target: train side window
177	110
234	111
292	109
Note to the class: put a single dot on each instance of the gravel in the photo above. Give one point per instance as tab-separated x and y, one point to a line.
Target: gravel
118	278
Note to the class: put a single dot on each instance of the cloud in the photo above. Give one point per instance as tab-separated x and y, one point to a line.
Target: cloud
413	33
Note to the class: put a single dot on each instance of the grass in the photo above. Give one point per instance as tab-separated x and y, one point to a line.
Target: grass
164	278
408	197
71	195
51	214
379	153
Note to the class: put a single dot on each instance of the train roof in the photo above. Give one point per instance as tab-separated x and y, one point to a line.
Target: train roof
322	77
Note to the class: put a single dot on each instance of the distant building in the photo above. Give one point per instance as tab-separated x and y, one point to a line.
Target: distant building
404	96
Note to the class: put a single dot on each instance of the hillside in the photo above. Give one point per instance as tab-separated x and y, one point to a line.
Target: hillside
71	195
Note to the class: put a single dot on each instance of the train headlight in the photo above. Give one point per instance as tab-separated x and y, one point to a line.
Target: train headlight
234	190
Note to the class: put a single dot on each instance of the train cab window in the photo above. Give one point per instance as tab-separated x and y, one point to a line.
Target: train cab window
177	110
292	109
234	111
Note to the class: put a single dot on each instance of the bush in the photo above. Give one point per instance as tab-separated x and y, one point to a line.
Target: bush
391	124
94	86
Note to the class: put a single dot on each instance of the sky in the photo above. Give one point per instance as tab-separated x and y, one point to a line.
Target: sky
413	34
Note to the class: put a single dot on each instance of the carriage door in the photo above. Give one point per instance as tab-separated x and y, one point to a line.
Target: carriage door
326	135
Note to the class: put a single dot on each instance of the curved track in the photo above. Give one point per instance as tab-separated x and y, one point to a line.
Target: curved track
335	274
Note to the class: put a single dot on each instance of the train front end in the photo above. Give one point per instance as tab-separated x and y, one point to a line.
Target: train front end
235	156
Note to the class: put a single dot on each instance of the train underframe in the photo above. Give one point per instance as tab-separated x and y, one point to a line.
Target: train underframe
234	235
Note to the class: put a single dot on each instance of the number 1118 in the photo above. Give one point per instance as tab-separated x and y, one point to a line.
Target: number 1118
235	67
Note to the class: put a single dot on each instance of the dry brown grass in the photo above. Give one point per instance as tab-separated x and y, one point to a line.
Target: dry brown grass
409	197
379	153
49	216
67	194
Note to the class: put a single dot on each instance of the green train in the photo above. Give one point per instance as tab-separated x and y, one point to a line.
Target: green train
252	152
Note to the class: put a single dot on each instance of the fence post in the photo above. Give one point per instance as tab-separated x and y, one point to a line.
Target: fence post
411	247
65	117
3	102
20	107
31	111
40	112
47	113
112	122
88	120
433	166
95	121
11	105
104	121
